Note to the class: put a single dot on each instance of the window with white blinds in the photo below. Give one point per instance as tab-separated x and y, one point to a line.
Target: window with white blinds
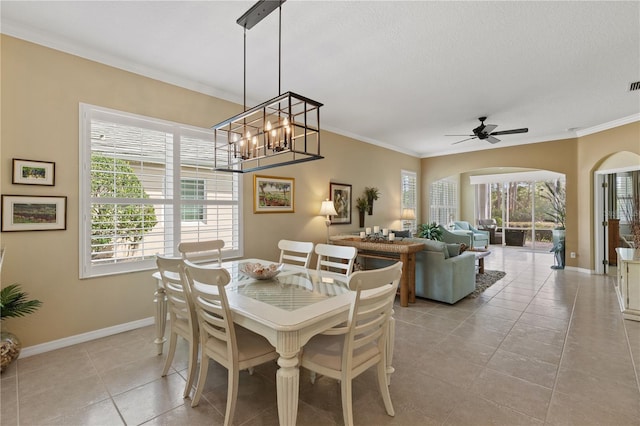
409	197
624	197
145	186
443	201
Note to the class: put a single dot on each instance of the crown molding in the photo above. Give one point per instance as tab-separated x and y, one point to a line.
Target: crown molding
610	125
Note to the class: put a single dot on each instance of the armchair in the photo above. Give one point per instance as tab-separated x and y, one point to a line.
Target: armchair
456	237
480	239
491	226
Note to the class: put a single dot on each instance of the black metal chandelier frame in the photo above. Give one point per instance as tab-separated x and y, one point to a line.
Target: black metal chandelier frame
281	131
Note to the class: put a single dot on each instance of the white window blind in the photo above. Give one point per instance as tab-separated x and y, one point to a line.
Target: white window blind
443	201
146	185
409	192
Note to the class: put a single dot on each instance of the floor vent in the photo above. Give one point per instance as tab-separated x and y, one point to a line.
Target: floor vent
634	86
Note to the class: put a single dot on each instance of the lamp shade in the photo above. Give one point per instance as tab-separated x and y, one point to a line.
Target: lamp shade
408	214
328	209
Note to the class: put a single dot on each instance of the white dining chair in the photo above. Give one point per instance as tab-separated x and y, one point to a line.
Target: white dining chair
182	315
230	345
207	251
333	257
346	351
295	252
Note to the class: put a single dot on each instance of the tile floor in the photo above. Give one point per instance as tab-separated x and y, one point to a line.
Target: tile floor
539	347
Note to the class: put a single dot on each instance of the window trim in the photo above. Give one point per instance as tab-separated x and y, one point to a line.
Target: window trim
89	112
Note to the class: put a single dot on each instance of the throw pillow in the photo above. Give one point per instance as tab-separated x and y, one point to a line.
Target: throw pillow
402	234
454	249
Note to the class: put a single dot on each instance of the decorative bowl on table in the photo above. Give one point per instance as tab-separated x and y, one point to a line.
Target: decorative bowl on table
259	271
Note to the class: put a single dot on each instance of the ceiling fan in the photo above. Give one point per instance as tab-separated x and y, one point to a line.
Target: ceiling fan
485	132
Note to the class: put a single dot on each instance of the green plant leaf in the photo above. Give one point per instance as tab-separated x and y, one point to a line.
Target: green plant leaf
14	303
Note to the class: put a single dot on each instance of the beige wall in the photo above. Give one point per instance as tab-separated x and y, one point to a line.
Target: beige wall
41	89
577	158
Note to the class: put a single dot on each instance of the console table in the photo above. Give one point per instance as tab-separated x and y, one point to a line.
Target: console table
404	251
628	283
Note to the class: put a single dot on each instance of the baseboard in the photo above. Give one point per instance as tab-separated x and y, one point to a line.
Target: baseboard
582	270
84	337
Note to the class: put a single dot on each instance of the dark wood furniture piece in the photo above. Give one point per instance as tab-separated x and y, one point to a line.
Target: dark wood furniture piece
613	231
514	237
404	251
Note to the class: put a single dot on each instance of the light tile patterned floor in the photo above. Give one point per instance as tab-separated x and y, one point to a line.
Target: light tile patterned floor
538	347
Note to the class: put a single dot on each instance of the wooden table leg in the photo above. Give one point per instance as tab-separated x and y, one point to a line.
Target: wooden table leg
481	265
408	279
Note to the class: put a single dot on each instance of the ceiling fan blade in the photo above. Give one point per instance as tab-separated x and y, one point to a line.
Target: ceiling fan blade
460	135
491	139
488	128
464	140
511	132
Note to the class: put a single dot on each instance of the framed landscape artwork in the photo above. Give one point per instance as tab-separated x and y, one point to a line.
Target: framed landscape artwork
272	194
33	213
340	194
27	172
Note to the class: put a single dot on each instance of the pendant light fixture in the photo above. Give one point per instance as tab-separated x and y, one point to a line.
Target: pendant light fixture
281	131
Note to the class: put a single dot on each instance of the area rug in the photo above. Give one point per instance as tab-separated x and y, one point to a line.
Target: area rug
486	280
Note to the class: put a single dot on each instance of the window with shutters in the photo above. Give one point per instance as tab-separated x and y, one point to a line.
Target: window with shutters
443	201
145	186
409	193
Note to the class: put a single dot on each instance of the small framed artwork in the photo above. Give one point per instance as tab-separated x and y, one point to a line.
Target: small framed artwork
28	172
272	194
33	213
340	194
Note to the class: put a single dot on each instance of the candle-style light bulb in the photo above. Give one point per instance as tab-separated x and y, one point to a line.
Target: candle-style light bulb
268	132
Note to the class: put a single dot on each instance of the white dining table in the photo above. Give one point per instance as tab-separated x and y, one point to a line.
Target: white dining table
288	311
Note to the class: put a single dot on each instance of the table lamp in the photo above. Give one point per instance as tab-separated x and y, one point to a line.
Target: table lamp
408	214
328	209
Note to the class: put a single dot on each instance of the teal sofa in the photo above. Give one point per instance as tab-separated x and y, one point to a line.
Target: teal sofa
441	273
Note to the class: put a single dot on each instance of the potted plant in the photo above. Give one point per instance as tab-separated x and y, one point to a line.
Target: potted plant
371	194
555	194
13	303
430	231
362	205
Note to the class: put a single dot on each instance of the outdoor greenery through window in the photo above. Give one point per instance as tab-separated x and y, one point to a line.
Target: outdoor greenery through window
536	205
145	186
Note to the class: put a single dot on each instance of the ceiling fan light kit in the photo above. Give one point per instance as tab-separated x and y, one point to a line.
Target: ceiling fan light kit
281	131
485	132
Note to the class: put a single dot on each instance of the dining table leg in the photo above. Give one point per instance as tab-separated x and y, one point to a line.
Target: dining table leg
160	299
287	387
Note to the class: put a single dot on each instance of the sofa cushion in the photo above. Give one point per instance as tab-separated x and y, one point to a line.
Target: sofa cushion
462	225
431	245
402	234
453	249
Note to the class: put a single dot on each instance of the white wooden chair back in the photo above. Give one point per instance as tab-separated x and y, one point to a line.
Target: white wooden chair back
182	314
207	251
332	257
295	252
346	351
231	346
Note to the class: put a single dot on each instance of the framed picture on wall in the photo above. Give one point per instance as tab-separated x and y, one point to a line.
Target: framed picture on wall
29	172
273	194
340	194
33	213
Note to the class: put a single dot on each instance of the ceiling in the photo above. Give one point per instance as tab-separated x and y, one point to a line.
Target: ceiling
393	73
